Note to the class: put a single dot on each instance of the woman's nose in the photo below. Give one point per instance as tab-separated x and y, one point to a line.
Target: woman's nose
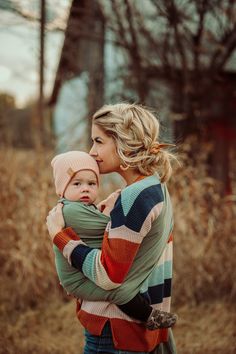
92	151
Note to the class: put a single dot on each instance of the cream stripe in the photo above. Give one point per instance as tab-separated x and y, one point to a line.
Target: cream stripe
108	226
95	271
153	215
105	309
164	306
69	248
125	233
102	279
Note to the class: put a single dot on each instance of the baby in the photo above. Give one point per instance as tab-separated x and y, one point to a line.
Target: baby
76	177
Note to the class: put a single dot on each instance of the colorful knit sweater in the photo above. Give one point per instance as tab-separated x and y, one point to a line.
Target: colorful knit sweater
137	247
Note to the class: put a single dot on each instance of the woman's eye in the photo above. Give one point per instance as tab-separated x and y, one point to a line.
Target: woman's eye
98	141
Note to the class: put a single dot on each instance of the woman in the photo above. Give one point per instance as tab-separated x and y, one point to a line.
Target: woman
138	239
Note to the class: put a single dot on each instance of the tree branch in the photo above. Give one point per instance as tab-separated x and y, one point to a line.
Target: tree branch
225	49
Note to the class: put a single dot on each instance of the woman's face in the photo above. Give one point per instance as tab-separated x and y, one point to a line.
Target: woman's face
104	151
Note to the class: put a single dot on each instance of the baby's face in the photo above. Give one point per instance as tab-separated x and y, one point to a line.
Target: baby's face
83	187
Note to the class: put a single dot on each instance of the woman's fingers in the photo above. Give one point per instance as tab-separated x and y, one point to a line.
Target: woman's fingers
53	210
118	191
59	206
55	221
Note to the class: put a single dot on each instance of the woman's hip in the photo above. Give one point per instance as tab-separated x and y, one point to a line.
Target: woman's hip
103	344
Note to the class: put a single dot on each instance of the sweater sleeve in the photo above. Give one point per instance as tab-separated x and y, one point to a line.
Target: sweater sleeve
90	224
74	281
131	220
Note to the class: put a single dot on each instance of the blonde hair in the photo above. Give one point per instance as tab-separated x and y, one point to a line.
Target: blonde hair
135	131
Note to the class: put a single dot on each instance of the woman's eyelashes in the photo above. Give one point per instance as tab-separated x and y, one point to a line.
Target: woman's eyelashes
97	140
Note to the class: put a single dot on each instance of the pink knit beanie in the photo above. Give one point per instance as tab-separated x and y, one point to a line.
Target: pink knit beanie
66	165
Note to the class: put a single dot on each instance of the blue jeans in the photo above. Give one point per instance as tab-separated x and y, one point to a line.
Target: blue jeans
103	344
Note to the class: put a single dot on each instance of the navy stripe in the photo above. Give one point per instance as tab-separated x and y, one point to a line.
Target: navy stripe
146	296
145	201
78	256
158	292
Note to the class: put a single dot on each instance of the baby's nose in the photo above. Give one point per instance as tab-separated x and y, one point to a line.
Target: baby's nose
85	188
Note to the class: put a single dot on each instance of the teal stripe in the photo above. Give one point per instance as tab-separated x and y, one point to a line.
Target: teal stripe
158	275
88	265
130	193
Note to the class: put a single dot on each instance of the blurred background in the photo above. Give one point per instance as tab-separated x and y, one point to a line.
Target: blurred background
61	60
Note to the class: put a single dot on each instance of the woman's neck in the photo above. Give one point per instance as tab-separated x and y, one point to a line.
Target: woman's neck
130	176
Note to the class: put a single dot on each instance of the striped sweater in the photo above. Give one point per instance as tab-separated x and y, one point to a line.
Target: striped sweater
137	246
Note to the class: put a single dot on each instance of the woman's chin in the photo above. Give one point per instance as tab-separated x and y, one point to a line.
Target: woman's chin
103	170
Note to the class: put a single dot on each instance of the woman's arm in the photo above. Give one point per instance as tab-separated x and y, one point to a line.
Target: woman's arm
90	223
74	281
131	220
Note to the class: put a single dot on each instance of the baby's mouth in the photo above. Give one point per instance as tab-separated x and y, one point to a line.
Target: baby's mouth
85	198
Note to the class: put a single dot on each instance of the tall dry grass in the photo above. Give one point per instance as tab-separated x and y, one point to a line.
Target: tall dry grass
204	263
27	269
205	230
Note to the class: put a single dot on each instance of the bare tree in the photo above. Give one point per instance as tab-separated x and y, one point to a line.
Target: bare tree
176	40
45	18
83	52
190	45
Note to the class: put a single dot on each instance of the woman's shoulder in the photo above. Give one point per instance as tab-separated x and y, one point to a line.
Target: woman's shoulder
144	194
139	202
147	186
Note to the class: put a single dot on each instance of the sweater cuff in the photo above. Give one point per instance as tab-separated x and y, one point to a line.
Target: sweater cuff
64	236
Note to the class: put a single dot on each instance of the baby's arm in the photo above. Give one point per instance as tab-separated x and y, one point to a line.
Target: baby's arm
89	222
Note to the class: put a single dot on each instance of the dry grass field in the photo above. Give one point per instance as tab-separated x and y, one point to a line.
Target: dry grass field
37	317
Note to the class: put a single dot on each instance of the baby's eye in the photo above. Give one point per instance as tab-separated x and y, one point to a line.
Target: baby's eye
92	184
77	184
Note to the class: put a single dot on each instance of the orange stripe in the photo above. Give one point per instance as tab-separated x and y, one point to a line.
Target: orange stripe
117	257
120	250
137	337
126	335
64	236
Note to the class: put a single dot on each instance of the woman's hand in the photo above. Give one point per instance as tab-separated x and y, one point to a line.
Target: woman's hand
111	199
55	221
107	205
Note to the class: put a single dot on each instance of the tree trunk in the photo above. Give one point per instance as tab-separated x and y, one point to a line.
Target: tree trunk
83	52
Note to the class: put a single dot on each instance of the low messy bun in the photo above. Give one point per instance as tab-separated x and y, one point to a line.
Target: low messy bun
135	131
